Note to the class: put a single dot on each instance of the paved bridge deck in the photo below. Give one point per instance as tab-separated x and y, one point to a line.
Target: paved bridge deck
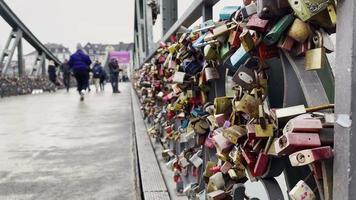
54	147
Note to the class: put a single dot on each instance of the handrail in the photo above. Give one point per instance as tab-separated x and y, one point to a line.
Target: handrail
11	18
190	16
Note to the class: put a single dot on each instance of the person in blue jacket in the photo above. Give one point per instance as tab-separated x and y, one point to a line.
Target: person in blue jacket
80	63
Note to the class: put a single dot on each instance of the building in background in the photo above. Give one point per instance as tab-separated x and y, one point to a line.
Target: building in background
60	51
97	51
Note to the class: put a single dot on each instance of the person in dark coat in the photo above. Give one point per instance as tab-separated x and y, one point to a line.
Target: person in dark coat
114	75
80	63
52	75
103	78
65	68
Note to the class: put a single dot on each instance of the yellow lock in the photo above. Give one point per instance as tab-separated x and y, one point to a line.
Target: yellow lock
249	105
267	132
223	105
332	14
247	40
299	30
315	58
234	133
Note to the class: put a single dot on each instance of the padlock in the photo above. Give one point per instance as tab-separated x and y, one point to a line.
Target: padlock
192	67
263	159
228	12
245	77
247	40
315	58
290	111
198	43
292	142
305	9
266	52
234	133
223	29
249	158
236	60
223	105
299	31
222	144
302	191
308	156
224	51
226	167
217	180
217	195
264	132
328	44
301	49
332	13
272	9
211	73
303	126
286	43
196	160
207	173
257	24
210	52
278	29
249	105
234	38
248	10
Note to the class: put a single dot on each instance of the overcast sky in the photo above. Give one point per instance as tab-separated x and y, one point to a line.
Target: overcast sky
71	21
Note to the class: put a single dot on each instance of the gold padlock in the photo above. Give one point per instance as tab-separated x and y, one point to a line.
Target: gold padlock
267	132
247	40
222	105
233	133
332	14
249	105
299	31
315	58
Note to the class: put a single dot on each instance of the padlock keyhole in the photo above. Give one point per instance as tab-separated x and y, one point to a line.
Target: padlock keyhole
296	2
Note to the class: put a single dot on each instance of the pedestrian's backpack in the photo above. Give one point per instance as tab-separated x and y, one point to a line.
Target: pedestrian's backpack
97	71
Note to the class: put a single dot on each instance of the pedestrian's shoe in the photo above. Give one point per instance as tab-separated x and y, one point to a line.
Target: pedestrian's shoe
82	95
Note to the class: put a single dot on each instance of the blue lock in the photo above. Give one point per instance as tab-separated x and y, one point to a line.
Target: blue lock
227	12
236	60
196	112
192	67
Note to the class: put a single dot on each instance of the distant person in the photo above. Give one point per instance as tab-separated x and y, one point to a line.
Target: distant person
65	68
97	72
103	79
114	74
52	75
80	63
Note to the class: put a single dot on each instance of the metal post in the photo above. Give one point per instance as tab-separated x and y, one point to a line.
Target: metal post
43	65
345	103
20	63
148	27
169	10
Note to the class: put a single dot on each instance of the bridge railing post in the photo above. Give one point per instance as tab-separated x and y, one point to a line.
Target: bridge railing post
345	103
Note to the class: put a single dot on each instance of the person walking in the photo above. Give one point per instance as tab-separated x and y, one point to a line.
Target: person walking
114	75
65	69
80	63
52	75
97	73
103	78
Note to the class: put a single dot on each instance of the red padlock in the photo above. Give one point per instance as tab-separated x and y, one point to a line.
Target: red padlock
308	156
214	170
292	142
262	162
266	52
249	158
